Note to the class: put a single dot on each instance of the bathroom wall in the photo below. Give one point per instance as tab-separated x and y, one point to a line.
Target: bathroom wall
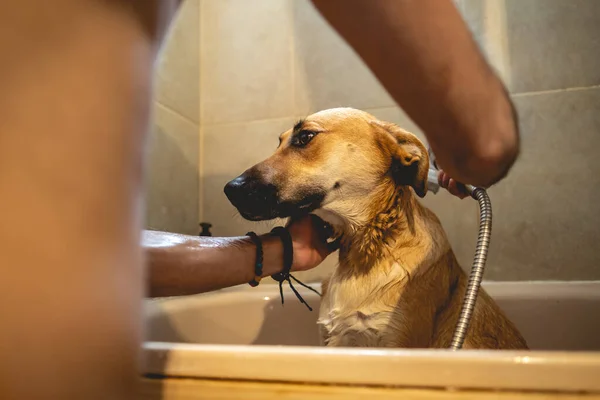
173	160
546	213
266	63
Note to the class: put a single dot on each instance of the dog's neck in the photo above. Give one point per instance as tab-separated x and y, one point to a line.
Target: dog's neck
369	238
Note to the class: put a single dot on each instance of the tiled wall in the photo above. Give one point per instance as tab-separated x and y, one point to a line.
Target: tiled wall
265	63
173	177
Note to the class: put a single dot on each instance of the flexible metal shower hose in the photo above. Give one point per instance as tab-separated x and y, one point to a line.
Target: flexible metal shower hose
483	242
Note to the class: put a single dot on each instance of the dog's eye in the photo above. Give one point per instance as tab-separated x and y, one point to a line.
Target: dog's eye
303	138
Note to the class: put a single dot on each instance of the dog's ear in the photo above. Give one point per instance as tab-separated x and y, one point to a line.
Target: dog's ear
410	160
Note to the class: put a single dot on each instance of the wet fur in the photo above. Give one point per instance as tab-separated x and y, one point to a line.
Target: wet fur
398	284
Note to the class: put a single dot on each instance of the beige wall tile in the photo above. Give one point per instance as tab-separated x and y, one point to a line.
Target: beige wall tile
228	151
547	213
246	60
172	174
178	72
538	45
554	44
327	72
488	23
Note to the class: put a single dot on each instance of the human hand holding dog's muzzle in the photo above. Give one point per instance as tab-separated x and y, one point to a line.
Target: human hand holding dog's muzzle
310	241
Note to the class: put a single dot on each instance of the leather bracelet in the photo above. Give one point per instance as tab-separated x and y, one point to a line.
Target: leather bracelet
288	261
258	263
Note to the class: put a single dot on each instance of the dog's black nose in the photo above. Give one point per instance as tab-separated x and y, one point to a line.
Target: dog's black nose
235	188
254	199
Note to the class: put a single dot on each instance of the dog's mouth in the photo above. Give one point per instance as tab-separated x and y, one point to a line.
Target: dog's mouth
254	217
267	210
257	200
307	205
265	205
296	210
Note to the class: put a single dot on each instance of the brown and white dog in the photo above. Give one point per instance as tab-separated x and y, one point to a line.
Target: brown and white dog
398	283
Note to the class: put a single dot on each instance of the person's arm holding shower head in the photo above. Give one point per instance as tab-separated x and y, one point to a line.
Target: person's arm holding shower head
424	55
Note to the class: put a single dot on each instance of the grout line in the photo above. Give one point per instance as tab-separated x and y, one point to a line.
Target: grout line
225	124
173	111
522	94
382	108
293	116
292	32
241	122
496	39
551	91
201	35
200	174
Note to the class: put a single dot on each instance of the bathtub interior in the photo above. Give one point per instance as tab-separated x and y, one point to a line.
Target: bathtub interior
550	315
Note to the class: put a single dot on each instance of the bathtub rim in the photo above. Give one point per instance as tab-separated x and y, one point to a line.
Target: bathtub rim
466	369
562	371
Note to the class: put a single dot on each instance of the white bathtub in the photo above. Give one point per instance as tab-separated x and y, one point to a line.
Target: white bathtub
245	333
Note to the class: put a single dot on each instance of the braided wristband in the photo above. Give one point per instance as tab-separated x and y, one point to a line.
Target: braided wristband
288	252
258	263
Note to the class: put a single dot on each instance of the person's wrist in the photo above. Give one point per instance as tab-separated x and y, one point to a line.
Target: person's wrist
273	255
298	263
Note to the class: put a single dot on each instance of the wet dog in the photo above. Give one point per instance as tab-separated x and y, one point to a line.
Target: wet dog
398	283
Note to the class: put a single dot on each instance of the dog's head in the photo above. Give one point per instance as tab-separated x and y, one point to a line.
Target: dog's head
331	161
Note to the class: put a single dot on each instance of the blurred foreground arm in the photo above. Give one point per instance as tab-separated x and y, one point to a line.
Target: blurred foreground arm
74	111
424	55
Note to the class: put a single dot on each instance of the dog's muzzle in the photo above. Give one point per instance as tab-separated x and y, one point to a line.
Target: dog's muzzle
257	200
254	199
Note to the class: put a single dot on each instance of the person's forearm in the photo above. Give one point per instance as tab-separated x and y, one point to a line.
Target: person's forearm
424	55
181	265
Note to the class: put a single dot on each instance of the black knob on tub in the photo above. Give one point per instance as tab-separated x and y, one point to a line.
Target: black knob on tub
205	229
